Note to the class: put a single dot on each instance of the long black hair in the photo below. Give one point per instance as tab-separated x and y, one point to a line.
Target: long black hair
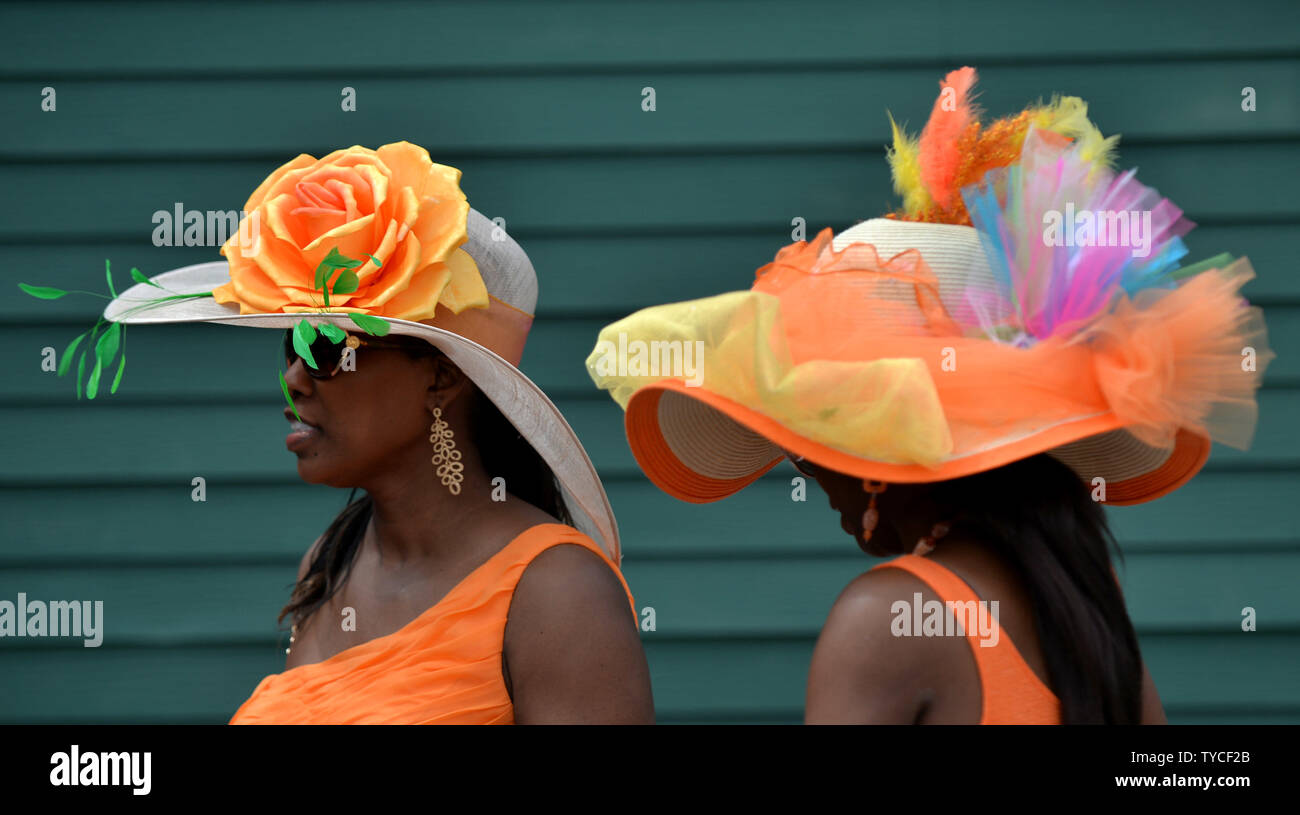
1039	517
503	451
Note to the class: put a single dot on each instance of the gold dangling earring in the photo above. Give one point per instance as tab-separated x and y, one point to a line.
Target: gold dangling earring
871	516
445	455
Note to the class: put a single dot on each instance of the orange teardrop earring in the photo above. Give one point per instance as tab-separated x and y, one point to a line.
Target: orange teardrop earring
925	545
871	516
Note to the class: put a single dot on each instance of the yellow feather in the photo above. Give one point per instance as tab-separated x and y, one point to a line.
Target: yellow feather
1068	116
905	168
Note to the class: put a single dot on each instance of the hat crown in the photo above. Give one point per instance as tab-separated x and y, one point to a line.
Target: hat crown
505	268
951	252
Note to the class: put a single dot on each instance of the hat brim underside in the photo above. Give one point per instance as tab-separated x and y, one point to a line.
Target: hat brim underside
519	399
700	447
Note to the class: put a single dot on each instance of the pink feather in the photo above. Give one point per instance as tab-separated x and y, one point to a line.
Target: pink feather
939	157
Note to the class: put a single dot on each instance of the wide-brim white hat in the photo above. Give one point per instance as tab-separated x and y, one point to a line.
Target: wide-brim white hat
511	284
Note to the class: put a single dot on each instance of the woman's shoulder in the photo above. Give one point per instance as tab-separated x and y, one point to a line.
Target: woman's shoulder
571	650
546	543
559	565
860	635
861	645
870	601
555	555
572	635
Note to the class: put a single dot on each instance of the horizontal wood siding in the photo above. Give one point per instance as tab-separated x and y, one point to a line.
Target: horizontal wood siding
766	112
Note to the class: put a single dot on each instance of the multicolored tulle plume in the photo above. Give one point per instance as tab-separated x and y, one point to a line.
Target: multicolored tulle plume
1064	237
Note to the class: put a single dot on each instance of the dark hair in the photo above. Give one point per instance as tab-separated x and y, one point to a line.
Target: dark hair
1040	518
503	451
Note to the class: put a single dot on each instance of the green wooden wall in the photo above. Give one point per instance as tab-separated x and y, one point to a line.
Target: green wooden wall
766	111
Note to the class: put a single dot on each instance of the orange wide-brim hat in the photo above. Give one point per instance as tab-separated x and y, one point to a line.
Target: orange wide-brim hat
910	349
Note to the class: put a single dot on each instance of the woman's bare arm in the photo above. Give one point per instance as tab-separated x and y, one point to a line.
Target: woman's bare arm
572	648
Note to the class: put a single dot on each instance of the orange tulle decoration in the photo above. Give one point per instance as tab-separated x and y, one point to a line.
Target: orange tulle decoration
856	351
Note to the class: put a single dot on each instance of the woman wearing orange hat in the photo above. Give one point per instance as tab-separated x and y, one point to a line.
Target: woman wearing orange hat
969	379
477	579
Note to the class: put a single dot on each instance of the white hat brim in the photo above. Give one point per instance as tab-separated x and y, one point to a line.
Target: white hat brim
518	398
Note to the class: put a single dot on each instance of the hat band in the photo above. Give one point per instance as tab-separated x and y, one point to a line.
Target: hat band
500	328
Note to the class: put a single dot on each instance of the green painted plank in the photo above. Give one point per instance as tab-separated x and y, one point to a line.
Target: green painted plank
726	680
1193	593
1214	513
714	109
581	194
1233	671
87	38
105	526
752	129
100	685
68	443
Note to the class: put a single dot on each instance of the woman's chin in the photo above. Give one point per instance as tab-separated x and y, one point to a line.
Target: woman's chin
311	470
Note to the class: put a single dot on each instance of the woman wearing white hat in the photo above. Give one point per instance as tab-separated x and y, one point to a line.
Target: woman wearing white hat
477	579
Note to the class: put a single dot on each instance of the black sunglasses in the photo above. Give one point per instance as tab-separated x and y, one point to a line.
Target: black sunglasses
329	355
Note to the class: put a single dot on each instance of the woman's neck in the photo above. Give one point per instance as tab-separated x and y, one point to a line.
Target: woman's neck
417	517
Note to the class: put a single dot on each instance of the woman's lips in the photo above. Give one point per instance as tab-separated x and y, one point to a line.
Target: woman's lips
300	435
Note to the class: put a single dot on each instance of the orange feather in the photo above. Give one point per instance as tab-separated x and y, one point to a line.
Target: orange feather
940	155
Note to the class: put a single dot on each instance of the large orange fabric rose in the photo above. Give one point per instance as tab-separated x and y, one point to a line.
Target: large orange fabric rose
392	203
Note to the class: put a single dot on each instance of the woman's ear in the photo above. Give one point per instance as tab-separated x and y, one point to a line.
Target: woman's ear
449	382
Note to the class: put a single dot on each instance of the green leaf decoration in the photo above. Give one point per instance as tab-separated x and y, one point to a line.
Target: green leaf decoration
324	268
117	378
303	336
373	258
43	292
284	386
140	278
105	353
334	260
81	371
81	357
98	346
92	387
106	348
346	283
376	326
335	334
66	362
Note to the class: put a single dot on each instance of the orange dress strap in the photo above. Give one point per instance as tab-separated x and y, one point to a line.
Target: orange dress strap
443	667
1012	693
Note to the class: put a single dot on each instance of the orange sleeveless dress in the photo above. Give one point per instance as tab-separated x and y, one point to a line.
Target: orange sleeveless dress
1012	692
443	667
